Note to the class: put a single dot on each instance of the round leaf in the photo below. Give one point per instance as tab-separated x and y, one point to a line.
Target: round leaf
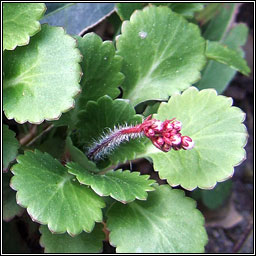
124	186
162	54
20	21
83	243
52	196
167	222
219	135
107	113
41	79
10	146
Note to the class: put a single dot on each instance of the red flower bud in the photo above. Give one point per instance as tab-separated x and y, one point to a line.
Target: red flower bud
187	142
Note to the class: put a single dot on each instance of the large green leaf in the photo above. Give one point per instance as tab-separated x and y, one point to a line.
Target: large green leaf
162	54
217	75
10	146
219	135
82	243
20	21
75	17
223	54
41	79
124	186
52	196
10	206
167	222
107	113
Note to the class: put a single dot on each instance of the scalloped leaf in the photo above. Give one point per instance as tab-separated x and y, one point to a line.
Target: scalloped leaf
101	68
52	196
107	113
20	22
82	243
124	186
168	222
223	54
219	135
10	206
173	65
42	78
10	146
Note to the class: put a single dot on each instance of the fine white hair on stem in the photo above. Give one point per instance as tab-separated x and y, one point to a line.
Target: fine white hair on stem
110	140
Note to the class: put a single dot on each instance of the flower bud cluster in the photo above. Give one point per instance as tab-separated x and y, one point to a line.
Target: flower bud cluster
166	135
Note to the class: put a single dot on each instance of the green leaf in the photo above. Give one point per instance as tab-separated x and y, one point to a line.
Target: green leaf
217	131
10	146
83	243
167	222
217	75
20	22
41	79
171	66
225	55
208	13
52	196
101	74
125	10
185	9
10	206
75	17
124	186
78	156
107	113
216	197
101	68
218	26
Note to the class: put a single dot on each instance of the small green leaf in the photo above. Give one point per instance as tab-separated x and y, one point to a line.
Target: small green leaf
52	196
217	131
107	113
185	9
20	21
168	222
216	197
125	10
41	79
10	206
10	146
217	75
124	186
82	243
223	54
78	156
101	68
158	60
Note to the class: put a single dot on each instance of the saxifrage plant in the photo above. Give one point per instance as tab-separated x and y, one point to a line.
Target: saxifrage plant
193	137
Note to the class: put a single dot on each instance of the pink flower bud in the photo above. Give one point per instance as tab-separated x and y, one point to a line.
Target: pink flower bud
166	147
155	143
160	141
187	142
157	126
176	139
177	125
